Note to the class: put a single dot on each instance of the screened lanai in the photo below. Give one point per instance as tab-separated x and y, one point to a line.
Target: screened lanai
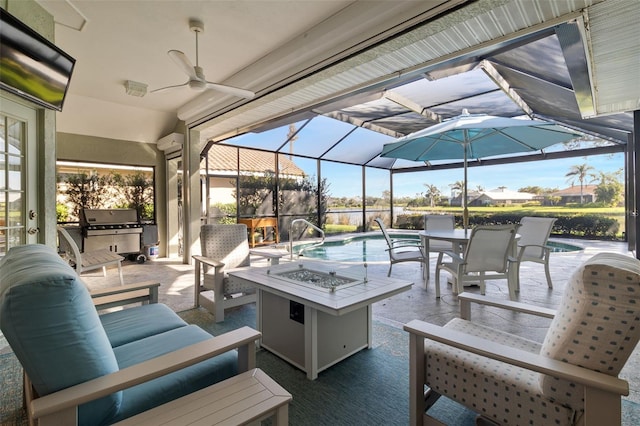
562	70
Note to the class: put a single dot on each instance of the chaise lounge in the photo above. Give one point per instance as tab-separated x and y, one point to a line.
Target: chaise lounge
90	369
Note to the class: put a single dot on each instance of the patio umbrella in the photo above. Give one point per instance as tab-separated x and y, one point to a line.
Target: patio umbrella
475	136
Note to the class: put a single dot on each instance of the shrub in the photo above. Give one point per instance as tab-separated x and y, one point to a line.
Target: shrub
580	226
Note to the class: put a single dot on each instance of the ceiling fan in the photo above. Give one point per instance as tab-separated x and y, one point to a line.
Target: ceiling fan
197	80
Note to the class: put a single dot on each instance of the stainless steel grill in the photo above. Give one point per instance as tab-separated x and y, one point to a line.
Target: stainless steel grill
117	230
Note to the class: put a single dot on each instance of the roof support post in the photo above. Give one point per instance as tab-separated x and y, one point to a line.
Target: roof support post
633	178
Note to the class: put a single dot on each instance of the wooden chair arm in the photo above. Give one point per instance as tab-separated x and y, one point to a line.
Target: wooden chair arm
145	292
465	300
67	400
517	357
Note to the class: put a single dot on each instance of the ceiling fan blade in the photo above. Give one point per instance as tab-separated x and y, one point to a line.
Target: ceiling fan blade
169	87
181	60
242	93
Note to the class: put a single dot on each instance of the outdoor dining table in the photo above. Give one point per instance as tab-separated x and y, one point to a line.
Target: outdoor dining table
460	239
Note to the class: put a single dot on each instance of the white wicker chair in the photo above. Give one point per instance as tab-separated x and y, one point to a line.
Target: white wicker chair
438	222
224	248
532	245
487	256
569	379
403	250
87	261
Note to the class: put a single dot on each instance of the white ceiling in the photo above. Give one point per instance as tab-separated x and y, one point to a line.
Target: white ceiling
256	45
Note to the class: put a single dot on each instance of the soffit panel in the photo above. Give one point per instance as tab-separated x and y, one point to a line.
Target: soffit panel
613	28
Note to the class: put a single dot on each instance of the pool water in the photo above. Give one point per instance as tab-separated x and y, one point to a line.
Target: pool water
373	249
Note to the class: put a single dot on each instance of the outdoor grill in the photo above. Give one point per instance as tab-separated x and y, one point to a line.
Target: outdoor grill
116	230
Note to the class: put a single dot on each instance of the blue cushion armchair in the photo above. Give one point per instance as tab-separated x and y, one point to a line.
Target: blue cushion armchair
83	368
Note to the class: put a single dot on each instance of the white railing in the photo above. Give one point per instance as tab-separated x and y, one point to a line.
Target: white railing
292	236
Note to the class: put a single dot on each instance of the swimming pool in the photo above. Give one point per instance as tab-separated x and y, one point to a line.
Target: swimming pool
371	248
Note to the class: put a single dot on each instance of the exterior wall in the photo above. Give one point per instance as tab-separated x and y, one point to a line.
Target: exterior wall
101	150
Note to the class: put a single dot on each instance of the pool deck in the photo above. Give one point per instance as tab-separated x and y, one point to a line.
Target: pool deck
417	303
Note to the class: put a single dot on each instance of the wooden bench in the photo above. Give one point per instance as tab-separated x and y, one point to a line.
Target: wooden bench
248	397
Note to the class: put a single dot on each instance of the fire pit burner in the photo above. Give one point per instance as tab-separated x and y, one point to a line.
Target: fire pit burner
312	278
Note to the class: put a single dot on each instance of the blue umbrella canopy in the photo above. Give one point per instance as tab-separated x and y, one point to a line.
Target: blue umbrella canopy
476	136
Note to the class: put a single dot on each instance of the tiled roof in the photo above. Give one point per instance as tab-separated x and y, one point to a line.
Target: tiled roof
575	191
225	159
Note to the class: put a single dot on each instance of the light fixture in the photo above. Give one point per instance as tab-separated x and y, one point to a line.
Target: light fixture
134	88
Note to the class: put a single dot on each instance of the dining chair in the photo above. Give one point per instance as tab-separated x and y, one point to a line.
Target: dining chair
438	222
486	257
532	246
569	378
403	250
89	260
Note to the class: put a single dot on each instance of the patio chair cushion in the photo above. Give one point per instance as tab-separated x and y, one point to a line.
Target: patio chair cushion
171	386
48	318
609	328
129	325
488	385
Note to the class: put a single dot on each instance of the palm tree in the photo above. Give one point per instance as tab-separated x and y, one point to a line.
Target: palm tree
457	187
432	194
580	172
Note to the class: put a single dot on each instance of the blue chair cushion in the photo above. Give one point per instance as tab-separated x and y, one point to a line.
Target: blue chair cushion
175	385
136	323
50	322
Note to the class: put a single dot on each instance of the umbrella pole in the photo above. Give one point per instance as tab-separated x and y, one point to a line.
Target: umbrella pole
465	211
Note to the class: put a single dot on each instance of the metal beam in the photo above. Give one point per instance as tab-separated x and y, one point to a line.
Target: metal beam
571	36
337	115
412	106
503	84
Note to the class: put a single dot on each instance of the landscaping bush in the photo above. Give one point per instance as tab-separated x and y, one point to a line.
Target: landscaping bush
575	226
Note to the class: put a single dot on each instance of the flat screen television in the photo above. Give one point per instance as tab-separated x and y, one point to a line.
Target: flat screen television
31	66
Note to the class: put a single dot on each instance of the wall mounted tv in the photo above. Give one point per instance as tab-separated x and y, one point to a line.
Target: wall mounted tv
31	66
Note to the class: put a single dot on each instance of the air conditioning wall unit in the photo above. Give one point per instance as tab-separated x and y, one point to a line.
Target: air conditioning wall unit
171	143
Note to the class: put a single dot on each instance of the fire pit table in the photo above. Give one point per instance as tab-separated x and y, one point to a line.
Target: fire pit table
314	314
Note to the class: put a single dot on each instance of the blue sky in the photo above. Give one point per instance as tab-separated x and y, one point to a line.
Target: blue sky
547	174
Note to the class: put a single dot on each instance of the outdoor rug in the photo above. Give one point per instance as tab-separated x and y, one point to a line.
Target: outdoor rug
368	388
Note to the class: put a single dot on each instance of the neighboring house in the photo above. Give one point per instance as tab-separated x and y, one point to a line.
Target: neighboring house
223	169
501	196
494	197
572	194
